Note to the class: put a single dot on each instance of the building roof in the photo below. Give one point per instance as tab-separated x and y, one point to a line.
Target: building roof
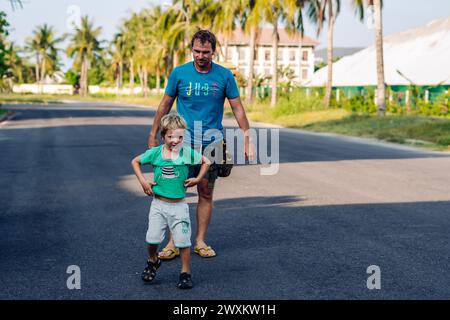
418	56
338	52
264	37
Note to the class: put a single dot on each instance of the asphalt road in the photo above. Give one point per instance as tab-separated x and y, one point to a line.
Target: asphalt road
335	207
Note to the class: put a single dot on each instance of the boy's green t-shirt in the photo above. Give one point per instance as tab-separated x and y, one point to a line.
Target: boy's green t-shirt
169	175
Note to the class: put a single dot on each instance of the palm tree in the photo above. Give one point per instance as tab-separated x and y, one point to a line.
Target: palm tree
376	6
15	4
85	48
274	12
319	12
251	19
15	63
118	56
224	20
43	45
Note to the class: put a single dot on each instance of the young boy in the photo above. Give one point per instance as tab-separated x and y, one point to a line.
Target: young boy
170	163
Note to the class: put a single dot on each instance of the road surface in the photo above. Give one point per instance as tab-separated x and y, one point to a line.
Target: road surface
336	206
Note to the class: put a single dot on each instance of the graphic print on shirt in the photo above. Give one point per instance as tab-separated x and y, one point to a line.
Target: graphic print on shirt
169	173
200	89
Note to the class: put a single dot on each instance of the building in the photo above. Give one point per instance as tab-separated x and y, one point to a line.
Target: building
299	59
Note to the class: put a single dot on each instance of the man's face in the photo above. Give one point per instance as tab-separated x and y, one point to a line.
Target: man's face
202	53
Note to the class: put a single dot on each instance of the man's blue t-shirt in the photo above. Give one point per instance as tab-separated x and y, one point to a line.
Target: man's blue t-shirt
201	96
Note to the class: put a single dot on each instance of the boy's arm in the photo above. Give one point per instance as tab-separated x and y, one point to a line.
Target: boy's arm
163	109
146	185
203	169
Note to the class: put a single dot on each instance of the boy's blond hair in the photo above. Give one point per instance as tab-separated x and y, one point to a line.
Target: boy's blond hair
172	121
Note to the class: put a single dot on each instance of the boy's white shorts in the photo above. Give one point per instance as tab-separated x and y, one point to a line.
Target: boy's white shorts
173	215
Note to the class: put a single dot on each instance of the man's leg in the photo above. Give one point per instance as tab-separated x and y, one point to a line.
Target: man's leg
204	213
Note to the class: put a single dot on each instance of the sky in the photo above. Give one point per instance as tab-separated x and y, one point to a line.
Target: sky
398	15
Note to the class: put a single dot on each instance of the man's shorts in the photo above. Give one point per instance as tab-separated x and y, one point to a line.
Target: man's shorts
211	175
173	215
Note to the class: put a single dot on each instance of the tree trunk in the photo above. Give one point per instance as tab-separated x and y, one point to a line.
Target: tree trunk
273	101
158	79
84	76
145	82
175	59
251	63
41	85
132	76
38	63
330	55
141	78
121	74
225	46
381	98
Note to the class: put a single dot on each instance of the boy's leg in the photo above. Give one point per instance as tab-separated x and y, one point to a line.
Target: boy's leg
185	281
185	260
157	224
153	263
152	252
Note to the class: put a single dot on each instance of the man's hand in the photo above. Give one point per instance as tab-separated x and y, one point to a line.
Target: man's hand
191	182
163	109
152	142
249	147
241	118
147	187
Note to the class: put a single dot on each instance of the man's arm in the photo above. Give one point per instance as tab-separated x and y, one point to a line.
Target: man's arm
163	109
241	118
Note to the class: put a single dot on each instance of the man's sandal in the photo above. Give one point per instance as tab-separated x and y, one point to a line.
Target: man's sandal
205	252
149	272
169	253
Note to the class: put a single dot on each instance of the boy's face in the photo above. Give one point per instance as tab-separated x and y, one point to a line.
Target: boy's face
174	138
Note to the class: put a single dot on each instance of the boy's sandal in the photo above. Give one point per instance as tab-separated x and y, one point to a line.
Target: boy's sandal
149	272
169	253
205	252
185	281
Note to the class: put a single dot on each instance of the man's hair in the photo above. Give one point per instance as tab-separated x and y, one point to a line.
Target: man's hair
171	121
205	36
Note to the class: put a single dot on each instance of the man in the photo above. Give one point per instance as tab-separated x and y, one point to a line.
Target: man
201	87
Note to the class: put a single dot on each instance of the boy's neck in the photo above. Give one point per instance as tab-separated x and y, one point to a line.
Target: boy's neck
171	153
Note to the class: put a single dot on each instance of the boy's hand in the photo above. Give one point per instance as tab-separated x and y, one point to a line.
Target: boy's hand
191	182
147	187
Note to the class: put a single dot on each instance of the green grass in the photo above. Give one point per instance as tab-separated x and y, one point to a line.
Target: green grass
307	113
151	101
426	132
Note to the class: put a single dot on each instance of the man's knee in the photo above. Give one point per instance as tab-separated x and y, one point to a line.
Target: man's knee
204	192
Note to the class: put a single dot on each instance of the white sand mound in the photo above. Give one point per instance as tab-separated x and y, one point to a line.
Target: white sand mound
422	55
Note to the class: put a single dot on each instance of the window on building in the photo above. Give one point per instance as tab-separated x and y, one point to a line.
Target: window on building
304	74
230	53
292	55
267	55
280	54
305	55
267	72
242	54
